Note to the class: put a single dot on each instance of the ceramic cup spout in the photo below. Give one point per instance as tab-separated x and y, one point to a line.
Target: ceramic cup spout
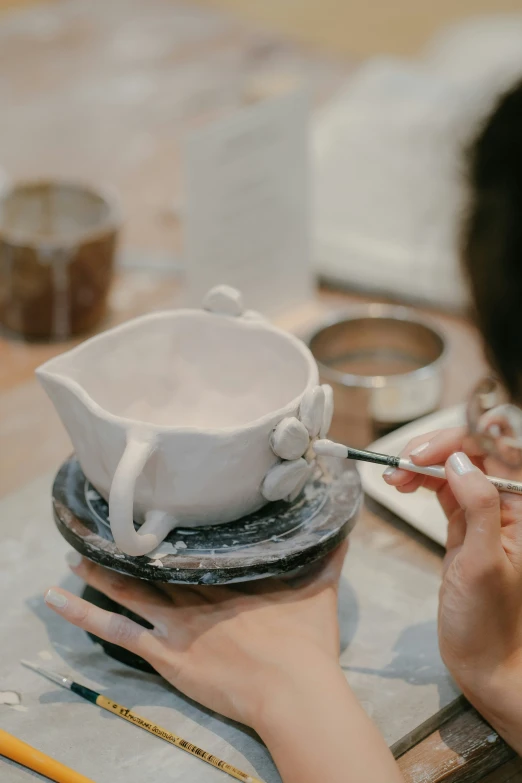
172	417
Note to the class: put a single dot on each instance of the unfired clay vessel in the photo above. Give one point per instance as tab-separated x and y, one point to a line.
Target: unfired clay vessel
190	417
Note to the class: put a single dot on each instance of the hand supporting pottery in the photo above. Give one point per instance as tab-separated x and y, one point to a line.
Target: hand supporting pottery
265	654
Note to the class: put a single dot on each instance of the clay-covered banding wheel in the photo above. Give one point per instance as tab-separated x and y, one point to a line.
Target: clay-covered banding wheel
278	540
275	541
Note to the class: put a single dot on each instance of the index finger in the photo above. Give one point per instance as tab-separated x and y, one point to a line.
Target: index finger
437	449
434	448
404	479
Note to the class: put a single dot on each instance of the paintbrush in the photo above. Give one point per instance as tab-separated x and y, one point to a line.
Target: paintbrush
328	448
142	723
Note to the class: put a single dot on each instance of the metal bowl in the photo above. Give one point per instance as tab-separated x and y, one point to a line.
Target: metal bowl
385	366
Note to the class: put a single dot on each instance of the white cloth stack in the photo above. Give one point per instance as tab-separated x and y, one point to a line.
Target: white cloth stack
389	161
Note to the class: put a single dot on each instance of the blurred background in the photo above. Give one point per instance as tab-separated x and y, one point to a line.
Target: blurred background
362	29
99	100
107	92
352	28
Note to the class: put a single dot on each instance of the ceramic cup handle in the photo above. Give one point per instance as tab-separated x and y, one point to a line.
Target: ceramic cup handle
137	452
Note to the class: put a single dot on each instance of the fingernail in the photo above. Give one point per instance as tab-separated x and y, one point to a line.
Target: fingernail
461	463
389	472
53	598
419	449
73	558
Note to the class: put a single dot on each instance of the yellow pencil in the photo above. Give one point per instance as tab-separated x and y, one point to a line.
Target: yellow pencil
142	723
16	750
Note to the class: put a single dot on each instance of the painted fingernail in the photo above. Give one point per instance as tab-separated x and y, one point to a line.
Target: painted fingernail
419	449
389	472
56	599
461	463
73	558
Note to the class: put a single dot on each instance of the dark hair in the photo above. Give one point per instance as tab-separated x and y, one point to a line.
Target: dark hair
492	238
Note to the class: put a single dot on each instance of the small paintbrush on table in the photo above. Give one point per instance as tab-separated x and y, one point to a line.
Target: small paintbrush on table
142	723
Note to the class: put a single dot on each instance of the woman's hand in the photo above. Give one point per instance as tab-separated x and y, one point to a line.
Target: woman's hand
480	609
265	654
225	648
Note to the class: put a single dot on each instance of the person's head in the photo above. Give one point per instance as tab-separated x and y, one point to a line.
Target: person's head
492	238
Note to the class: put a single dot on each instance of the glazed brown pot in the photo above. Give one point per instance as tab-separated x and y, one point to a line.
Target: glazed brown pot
57	247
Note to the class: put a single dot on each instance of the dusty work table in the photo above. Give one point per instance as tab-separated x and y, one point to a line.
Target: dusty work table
389	654
63	70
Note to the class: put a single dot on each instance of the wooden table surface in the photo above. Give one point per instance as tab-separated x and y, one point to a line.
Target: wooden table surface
454	746
349	27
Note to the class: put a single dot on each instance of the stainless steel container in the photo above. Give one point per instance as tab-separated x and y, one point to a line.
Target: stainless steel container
385	366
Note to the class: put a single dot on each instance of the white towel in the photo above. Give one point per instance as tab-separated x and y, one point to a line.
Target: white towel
388	161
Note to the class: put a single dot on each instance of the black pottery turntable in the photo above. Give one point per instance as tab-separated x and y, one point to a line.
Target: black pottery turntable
276	541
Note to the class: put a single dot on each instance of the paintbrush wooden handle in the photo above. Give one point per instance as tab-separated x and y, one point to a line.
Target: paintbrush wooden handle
16	750
164	734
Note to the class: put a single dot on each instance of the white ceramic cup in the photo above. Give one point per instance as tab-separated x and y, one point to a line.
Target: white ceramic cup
171	414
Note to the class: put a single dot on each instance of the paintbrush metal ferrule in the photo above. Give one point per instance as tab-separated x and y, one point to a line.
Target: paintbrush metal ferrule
59	679
328	448
373	456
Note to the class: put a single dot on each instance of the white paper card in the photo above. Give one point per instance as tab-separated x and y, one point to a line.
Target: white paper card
247	197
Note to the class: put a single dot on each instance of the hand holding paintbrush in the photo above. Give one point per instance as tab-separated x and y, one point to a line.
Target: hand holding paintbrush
480	595
328	448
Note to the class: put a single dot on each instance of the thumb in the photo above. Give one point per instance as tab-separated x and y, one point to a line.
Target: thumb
480	501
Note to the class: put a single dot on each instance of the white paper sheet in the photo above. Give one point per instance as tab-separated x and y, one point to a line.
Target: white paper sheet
246	217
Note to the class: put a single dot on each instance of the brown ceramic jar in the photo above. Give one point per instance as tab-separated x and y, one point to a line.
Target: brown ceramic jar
57	247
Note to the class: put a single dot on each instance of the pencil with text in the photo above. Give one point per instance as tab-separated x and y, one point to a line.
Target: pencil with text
142	723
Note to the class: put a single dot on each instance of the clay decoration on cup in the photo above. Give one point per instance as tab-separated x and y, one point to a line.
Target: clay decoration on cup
57	245
190	417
